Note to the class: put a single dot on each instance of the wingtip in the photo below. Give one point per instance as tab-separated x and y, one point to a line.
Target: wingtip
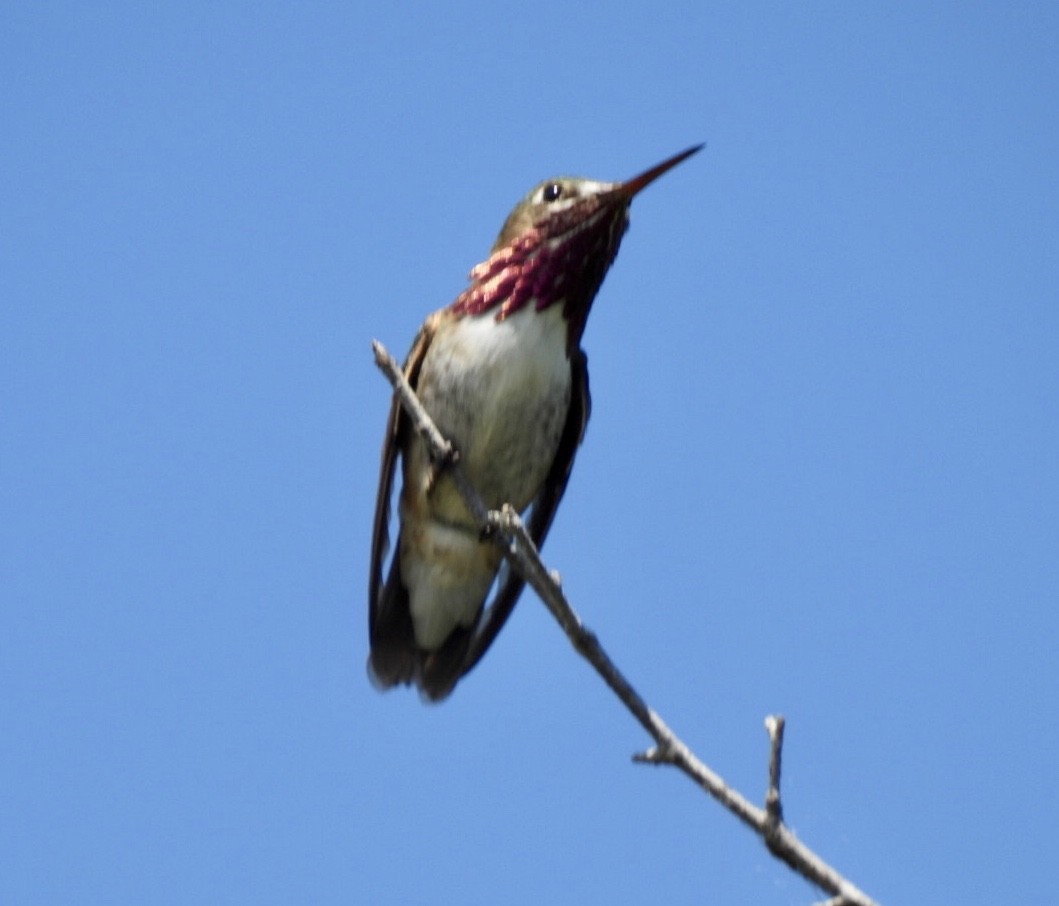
387	668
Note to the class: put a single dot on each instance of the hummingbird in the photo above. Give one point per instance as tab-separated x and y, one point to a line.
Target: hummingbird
502	373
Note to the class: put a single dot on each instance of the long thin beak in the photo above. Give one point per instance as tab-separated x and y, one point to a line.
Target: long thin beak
631	186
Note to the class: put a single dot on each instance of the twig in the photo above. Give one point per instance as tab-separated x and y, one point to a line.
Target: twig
774	724
509	533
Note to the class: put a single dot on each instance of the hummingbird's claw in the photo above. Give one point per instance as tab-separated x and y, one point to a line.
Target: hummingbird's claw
491	527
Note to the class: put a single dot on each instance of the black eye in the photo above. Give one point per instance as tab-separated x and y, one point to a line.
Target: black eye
552	192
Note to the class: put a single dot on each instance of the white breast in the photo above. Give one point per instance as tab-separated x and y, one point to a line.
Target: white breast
500	391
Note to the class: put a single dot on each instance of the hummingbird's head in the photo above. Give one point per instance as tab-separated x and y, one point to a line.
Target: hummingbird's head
551	198
556	246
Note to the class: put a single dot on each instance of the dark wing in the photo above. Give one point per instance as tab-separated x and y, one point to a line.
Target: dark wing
396	428
544	506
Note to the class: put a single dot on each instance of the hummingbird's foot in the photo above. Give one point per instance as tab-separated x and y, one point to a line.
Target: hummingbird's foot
491	527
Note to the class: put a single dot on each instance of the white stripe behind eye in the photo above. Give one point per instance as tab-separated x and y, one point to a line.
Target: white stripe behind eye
585	188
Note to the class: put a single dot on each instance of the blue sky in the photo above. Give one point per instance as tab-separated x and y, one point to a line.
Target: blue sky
820	476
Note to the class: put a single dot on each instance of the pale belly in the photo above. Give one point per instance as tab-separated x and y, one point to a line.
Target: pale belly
500	392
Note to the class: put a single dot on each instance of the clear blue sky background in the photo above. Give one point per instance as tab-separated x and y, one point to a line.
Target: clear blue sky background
821	478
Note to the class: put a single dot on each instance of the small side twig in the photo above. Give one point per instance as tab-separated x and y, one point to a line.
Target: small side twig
506	528
774	725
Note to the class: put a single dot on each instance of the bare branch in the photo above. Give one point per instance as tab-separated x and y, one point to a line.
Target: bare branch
506	528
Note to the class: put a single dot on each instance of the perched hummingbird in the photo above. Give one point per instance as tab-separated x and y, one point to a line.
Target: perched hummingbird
502	373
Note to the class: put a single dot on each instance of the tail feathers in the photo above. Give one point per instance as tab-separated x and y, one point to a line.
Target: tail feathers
396	658
440	670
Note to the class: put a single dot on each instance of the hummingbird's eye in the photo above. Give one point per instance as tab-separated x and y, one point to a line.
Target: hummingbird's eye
552	192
